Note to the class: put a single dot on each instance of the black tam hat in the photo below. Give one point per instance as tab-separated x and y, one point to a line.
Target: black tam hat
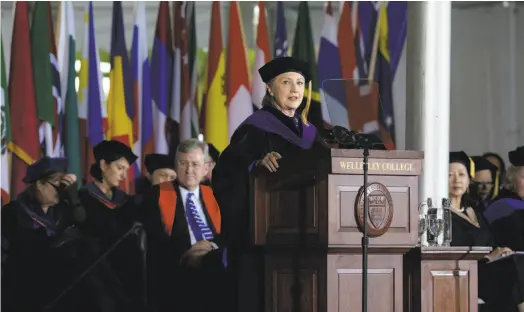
45	167
282	65
213	152
463	158
158	161
112	150
516	157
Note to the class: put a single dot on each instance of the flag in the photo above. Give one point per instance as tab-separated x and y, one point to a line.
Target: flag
6	134
91	111
66	63
46	79
141	75
329	71
384	79
185	113
193	69
216	123
237	72
121	104
263	55
281	44
304	49
24	145
176	106
161	63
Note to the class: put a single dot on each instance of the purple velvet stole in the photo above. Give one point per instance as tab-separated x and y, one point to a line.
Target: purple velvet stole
117	200
503	208
268	122
40	221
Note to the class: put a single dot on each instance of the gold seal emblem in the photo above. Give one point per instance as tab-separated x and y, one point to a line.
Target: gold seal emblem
380	211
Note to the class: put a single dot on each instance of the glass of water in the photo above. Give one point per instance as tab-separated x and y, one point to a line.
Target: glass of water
422	226
435	225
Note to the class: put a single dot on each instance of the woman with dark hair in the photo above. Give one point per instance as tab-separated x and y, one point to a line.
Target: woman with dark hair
470	228
111	215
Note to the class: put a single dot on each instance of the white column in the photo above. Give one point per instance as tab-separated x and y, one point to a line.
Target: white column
428	94
512	129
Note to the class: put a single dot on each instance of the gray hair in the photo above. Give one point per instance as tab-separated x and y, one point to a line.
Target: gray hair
509	180
190	145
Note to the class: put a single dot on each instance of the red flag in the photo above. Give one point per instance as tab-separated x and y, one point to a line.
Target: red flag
25	143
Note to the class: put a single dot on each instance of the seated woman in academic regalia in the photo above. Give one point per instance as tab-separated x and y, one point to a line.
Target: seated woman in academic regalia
469	228
111	216
185	251
44	251
506	216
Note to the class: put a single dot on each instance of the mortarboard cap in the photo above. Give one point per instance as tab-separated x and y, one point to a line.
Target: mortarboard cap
282	65
44	167
516	157
463	158
482	163
158	161
213	152
112	150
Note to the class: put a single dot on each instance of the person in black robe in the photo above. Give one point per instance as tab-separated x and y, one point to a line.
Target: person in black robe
111	217
496	160
280	129
485	184
44	252
160	168
506	216
469	228
186	253
210	163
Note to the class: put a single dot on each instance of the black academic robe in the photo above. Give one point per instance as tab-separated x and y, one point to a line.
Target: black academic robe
45	254
497	283
174	287
252	141
509	231
230	179
112	222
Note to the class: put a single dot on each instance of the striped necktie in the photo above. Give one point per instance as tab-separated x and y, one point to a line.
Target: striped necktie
198	226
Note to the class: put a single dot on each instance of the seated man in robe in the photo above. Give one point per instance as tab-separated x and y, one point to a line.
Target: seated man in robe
183	224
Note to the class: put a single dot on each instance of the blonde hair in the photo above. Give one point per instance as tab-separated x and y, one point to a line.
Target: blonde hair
509	179
268	100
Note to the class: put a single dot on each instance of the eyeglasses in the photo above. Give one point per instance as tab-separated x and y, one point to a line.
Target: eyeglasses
187	164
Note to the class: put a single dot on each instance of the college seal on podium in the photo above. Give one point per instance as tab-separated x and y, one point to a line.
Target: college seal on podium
380	212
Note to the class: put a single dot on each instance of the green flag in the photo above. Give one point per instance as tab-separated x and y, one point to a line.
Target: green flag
66	57
43	80
304	49
6	133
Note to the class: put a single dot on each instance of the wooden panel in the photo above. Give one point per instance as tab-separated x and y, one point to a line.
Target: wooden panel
449	286
295	282
342	226
344	279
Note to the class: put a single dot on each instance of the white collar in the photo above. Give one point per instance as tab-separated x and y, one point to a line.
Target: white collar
184	192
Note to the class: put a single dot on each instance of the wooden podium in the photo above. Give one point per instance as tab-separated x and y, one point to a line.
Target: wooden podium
304	218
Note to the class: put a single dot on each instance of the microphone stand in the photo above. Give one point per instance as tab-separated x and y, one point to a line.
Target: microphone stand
136	229
365	238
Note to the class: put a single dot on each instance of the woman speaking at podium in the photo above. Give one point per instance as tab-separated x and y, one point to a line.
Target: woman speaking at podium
278	130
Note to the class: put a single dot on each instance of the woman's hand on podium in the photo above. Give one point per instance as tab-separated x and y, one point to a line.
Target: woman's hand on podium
499	252
270	161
